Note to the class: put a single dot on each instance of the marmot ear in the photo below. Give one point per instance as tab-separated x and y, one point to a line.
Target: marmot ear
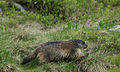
75	42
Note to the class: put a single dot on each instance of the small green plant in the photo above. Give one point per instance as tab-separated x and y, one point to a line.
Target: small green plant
3	28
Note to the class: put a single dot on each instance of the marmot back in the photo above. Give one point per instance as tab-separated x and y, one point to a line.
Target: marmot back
57	50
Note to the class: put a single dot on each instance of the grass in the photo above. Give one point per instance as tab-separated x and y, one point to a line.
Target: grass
17	42
20	34
116	61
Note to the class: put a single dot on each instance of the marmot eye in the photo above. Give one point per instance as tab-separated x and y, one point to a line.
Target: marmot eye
83	42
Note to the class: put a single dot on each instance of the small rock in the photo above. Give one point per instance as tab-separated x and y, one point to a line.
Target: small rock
115	28
20	7
10	67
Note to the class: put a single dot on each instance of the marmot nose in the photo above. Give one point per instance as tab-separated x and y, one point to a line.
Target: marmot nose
85	46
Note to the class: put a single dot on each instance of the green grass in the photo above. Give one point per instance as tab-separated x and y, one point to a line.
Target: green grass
116	60
17	42
21	33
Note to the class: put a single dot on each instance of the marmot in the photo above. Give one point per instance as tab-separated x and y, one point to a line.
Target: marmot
57	50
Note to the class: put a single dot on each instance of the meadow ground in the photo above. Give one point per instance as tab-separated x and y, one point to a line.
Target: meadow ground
21	33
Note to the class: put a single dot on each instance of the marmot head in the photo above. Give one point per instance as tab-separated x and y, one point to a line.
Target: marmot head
79	43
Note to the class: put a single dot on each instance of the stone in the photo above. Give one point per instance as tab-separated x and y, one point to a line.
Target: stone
115	28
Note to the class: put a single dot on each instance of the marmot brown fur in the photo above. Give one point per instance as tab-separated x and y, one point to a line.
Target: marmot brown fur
57	50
